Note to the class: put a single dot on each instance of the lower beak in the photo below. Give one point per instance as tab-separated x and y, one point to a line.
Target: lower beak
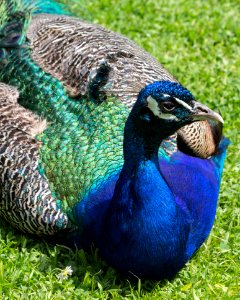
202	112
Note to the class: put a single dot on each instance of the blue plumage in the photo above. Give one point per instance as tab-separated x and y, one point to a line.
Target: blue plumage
166	87
198	182
156	213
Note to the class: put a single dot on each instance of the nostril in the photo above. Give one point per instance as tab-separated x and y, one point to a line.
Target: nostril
202	109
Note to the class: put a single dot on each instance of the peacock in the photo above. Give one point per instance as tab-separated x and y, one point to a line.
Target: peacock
100	145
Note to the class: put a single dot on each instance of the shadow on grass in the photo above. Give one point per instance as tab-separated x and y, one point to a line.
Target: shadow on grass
90	272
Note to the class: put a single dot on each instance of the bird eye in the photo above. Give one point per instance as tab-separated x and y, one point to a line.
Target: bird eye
168	106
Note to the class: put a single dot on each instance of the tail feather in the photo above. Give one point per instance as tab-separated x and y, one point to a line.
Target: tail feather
9	7
15	16
14	21
47	6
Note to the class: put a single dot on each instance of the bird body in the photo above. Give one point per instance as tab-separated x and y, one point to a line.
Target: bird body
88	146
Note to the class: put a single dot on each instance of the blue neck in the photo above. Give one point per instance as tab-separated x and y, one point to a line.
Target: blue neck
143	222
139	146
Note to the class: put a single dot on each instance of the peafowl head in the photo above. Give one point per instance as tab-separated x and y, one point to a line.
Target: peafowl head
163	107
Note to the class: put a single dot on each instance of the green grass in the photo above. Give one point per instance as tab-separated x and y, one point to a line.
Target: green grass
198	42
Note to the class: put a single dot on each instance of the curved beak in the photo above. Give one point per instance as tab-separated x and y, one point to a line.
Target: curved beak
202	112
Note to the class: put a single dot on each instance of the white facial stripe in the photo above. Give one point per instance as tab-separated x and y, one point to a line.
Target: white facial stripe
168	117
184	104
153	106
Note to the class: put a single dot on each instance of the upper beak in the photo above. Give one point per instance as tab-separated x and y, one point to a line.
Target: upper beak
202	112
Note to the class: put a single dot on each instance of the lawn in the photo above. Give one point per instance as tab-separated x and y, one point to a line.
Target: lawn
198	42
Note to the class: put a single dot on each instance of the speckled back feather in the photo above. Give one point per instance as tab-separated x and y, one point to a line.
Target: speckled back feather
74	51
25	199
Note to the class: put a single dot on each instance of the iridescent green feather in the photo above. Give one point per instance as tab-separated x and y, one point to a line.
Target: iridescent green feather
76	153
77	156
